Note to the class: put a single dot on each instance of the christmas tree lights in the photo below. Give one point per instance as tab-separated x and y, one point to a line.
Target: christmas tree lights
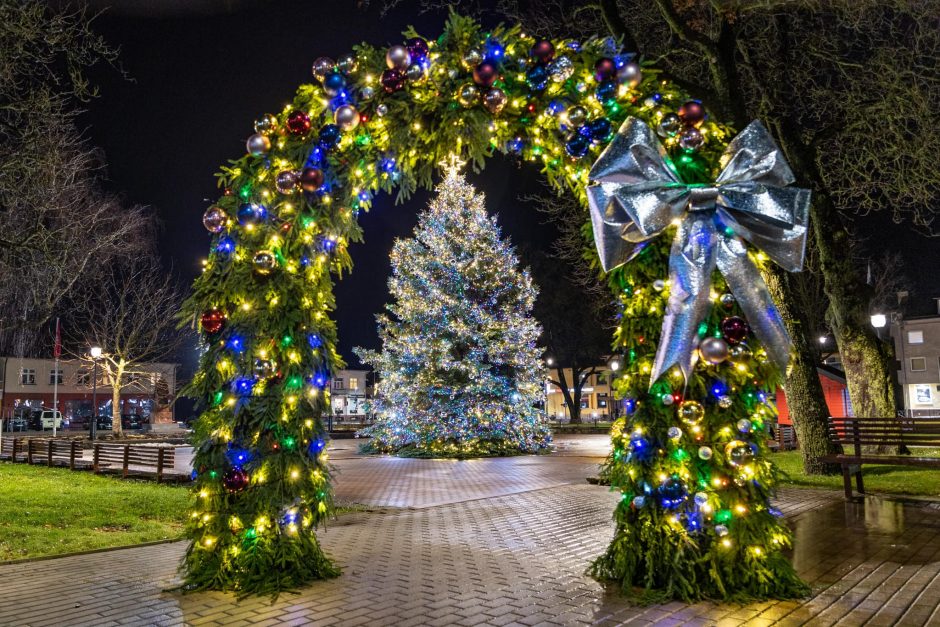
459	369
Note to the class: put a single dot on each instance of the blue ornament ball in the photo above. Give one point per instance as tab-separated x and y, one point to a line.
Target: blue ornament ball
334	83
330	135
600	129
577	146
639	501
606	92
249	213
537	77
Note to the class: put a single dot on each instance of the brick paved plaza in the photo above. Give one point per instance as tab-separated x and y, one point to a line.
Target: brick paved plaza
497	542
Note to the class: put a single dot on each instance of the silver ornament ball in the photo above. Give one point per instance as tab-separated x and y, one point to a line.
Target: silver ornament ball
258	144
398	58
346	117
669	126
322	66
744	425
560	69
367	93
381	110
713	350
705	453
725	401
674	433
415	73
691	139
630	74
347	64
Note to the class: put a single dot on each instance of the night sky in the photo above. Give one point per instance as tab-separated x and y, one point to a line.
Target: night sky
198	72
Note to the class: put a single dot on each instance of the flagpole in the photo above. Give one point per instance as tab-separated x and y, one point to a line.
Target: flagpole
55	378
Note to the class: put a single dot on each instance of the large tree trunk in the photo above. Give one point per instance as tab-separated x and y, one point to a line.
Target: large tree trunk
116	427
805	398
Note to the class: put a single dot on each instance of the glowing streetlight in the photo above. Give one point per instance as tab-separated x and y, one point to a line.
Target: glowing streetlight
879	320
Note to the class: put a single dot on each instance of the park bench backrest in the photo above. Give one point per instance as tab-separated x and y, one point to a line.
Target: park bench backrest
884	431
126	455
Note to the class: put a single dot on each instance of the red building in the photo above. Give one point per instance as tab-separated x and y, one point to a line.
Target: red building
834	388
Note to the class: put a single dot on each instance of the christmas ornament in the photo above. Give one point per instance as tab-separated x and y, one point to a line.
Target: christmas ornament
692	113
700	498
744	425
417	49
639	501
672	492
321	67
397	58
691	412
367	93
334	83
561	69
577	145
606	92
235	480
659	285
674	433
311	179
329	136
249	214
705	453
600	129
264	262
713	350
485	74
298	123
258	144
392	80
468	95
381	110
494	100
691	139
669	126
576	116
472	59
536	77
739	453
750	194
264	368
346	117
266	124
212	321
726	300
286	181
630	74
347	64
668	399
734	329
543	50
415	73
725	401
721	530
604	70
739	354
214	219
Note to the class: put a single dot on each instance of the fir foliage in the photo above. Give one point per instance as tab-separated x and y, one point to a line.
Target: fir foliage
460	373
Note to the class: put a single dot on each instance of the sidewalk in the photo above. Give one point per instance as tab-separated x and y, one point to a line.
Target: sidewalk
497	542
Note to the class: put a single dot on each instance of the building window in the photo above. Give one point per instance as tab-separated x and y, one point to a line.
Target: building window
337	384
353	383
55	377
27	376
918	364
915	337
83	377
601	378
923	395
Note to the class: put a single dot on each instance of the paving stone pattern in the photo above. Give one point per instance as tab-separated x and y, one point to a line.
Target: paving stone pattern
514	554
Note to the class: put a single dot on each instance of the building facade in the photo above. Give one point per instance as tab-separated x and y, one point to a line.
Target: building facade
596	397
31	383
917	350
350	393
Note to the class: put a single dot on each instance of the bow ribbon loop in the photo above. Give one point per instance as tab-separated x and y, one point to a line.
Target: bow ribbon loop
636	194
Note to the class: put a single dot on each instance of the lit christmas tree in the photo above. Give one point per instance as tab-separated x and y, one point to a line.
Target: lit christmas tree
460	371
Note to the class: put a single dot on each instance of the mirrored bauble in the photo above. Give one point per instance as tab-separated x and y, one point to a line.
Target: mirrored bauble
298	123
668	399
485	74
561	69
721	530
739	453
415	73
744	425
691	412
468	95
250	214
347	64
725	401
235	480
494	100
346	117
630	74
381	110
669	126
691	139
286	181
639	501
264	368
393	80
713	350
705	453
334	83
576	116
258	144
214	219
701	498
367	93
418	48
212	321
471	59
543	50
398	58
726	300
692	113
264	262
734	329
659	285
322	66
266	124
673	491
311	179
674	433
604	69
739	354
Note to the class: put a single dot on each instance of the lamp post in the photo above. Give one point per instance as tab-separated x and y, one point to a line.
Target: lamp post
549	361
879	321
614	363
95	353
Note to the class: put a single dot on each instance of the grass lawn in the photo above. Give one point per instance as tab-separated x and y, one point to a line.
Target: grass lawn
878	478
49	511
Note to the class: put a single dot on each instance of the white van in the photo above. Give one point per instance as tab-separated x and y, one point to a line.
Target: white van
50	417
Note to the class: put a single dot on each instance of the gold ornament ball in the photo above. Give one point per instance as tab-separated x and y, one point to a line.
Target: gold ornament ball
266	124
471	59
264	262
576	116
739	354
467	95
691	412
495	100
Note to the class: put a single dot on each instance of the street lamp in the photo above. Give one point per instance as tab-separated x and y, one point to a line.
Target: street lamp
95	353
614	363
879	320
549	361
822	339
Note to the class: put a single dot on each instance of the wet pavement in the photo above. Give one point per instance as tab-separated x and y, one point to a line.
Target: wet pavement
499	542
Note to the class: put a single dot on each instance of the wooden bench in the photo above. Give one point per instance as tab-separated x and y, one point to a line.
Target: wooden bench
871	432
123	456
13	448
55	452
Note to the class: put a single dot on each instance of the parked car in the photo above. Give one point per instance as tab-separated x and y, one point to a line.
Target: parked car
103	423
17	423
49	418
132	421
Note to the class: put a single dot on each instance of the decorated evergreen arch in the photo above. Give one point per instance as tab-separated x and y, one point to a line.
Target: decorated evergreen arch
689	457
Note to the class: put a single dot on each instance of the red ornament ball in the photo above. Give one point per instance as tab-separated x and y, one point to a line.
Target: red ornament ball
543	50
311	179
734	329
298	123
692	113
393	80
212	321
235	480
485	74
605	69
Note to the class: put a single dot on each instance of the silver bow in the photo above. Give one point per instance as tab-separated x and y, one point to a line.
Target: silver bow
637	194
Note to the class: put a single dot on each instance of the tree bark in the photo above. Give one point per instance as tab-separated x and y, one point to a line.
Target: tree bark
117	429
805	398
